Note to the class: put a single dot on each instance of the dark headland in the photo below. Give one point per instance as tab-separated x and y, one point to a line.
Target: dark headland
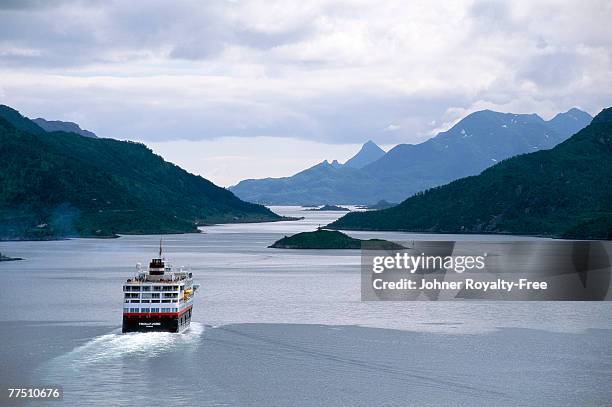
329	208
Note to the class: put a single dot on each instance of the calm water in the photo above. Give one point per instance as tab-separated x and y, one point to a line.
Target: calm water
61	315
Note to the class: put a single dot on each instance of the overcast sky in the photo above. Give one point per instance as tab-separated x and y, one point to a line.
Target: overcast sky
241	89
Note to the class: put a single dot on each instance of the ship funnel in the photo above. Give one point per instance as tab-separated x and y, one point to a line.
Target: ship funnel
157	266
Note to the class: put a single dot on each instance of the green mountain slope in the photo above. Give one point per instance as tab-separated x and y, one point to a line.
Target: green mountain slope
59	184
562	192
17	120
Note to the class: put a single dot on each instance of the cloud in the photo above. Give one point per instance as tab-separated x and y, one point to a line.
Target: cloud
392	127
332	71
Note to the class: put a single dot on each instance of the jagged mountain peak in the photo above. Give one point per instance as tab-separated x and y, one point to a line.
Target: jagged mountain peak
368	153
571	121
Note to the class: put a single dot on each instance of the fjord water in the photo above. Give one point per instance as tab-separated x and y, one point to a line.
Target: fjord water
279	327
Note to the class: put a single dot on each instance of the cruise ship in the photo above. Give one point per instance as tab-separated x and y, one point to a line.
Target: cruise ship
159	299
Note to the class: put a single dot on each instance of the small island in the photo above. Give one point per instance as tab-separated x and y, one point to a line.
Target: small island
330	239
6	258
330	208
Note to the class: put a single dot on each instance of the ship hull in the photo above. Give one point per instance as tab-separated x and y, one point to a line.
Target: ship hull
156	322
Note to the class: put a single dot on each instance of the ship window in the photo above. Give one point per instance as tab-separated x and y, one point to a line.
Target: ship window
144	309
146	295
154	309
146	288
135	301
157	288
166	301
156	301
145	301
133	309
155	295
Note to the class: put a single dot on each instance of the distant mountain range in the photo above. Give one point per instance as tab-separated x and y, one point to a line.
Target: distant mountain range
476	142
320	184
57	125
562	192
61	184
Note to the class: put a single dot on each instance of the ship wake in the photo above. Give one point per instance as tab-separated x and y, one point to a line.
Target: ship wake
144	345
112	359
